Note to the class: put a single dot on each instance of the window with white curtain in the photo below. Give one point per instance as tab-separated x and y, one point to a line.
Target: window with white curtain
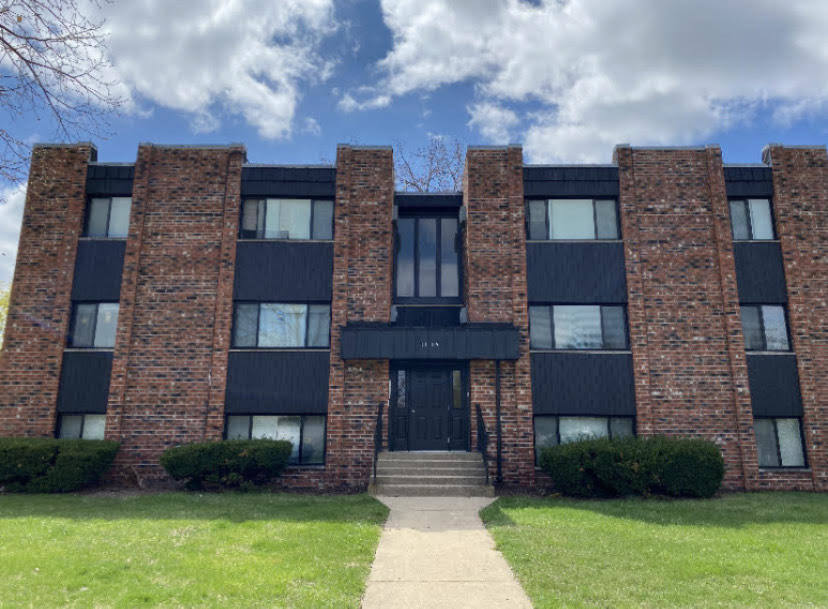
270	324
286	219
306	433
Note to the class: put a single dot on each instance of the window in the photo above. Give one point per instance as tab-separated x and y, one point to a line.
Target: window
270	324
427	260
779	442
764	328
751	219
286	219
306	433
573	219
577	327
551	430
108	217
94	325
82	426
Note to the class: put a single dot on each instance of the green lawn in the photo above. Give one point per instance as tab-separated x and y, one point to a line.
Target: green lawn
763	551
186	550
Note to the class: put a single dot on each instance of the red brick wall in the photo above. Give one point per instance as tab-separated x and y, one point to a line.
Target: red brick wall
362	276
170	359
495	291
800	202
40	305
685	328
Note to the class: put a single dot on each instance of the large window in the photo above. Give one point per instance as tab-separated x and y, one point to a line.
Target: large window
577	327
306	433
751	219
765	328
573	219
779	442
108	217
427	260
286	219
271	324
94	325
552	430
82	426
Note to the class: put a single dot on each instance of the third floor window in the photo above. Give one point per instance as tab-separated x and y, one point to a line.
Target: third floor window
751	220
286	219
573	219
108	217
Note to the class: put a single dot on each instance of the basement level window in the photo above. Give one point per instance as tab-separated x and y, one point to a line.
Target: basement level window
554	430
272	324
765	328
577	327
305	432
94	325
779	442
574	219
751	220
108	218
81	426
286	219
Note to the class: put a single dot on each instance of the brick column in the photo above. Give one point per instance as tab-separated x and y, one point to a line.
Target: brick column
170	359
800	202
685	327
362	276
39	311
495	291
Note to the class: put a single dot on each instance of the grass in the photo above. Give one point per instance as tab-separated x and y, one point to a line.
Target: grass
186	550
765	550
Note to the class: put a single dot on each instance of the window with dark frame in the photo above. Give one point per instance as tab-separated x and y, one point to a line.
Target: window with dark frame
80	426
751	220
765	328
427	261
578	327
94	325
281	325
553	430
108	217
286	219
572	219
779	442
305	432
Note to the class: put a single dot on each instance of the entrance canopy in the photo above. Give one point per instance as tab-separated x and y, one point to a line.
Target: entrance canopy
468	341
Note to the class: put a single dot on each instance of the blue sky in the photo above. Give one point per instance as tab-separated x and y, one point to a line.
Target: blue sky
567	78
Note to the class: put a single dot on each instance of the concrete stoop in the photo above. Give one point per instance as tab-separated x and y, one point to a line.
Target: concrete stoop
431	474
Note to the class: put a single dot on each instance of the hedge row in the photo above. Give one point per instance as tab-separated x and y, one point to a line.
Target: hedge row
676	467
47	465
227	464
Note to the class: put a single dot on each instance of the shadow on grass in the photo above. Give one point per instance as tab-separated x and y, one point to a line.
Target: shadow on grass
729	511
232	507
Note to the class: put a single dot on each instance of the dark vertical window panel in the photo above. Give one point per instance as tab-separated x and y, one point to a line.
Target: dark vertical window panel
322	220
614	327
739	220
427	257
752	328
252	222
449	271
457	389
546	434
319	325
97	218
313	440
540	327
405	257
766	442
606	220
246	325
537	220
401	390
83	326
106	325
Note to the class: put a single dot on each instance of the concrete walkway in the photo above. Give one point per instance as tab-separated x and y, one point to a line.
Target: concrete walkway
435	552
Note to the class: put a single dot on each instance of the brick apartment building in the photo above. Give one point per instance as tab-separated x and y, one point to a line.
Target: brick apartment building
192	296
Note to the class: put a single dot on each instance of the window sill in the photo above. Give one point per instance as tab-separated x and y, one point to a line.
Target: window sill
758	352
249	240
589	351
574	241
770	470
756	241
88	349
281	349
87	238
311	466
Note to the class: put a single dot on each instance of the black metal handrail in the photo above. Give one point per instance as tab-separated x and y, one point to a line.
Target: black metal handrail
377	439
482	439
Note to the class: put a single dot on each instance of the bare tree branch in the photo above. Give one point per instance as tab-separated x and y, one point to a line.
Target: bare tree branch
436	167
53	62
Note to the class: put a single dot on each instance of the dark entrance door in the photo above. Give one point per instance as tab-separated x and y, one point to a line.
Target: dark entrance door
429	410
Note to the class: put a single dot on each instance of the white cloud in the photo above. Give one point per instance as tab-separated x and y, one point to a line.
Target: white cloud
311	126
247	57
638	71
494	122
12	201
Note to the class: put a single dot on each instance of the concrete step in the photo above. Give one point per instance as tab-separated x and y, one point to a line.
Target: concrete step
430	457
431	480
433	490
427	470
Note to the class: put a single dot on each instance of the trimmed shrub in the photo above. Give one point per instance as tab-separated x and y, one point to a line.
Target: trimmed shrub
601	467
47	465
228	463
